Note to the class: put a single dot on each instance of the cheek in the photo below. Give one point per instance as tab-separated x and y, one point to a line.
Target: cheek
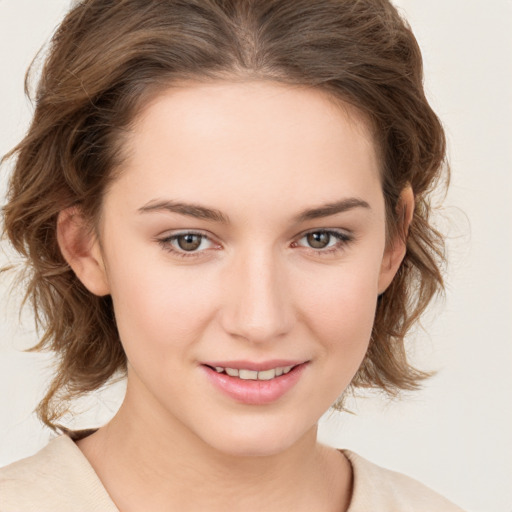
157	304
341	311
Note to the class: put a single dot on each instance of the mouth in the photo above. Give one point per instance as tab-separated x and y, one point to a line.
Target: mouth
247	374
252	383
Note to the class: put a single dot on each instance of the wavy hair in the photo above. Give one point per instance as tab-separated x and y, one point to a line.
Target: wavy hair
108	57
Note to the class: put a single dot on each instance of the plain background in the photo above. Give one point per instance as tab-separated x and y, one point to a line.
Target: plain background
455	435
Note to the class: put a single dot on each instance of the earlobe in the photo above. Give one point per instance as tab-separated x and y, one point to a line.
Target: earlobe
81	249
396	248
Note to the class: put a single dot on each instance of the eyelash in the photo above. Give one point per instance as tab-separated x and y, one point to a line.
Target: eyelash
343	239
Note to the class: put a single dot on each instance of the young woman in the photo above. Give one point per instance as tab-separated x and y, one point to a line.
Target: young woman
228	201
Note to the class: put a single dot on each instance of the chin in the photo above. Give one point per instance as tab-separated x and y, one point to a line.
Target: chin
265	441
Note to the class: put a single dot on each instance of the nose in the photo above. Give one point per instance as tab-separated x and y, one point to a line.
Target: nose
258	303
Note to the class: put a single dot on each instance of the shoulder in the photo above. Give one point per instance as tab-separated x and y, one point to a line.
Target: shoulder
58	478
377	488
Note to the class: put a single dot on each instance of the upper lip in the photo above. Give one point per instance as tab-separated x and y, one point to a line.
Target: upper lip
253	365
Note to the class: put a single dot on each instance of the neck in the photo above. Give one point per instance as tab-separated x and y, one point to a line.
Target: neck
166	467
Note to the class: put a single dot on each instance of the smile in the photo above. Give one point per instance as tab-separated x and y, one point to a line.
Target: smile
245	374
254	383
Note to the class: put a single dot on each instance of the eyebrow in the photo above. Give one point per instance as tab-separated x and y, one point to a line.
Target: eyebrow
191	210
332	209
201	212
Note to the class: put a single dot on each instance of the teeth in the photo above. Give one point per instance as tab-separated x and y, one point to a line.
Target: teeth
267	374
247	374
253	374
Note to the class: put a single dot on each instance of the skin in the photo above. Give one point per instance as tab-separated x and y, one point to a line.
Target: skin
260	154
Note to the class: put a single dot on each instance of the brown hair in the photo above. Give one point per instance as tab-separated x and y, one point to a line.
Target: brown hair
105	60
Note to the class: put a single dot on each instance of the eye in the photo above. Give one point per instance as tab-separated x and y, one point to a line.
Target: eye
324	240
319	239
189	241
186	243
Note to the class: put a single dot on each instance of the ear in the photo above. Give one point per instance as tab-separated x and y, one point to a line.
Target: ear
396	248
81	249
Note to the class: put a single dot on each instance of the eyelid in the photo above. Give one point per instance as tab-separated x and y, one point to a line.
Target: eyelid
343	237
337	232
166	242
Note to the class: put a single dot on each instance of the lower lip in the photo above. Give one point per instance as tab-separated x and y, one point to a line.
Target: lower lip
255	392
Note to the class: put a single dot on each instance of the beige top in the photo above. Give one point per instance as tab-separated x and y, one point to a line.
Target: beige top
60	479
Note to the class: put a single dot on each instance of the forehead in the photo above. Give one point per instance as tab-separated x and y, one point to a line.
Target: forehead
198	108
233	139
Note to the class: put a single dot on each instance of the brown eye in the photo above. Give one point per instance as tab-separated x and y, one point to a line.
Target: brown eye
189	242
318	239
325	241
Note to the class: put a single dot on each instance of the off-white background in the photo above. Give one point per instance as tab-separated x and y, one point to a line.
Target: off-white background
455	435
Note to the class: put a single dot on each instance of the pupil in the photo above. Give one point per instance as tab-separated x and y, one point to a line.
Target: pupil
189	242
318	240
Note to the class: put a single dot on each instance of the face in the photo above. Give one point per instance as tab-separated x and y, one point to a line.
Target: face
244	248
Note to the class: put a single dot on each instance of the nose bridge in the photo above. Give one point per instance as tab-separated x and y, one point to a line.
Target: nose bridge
259	307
